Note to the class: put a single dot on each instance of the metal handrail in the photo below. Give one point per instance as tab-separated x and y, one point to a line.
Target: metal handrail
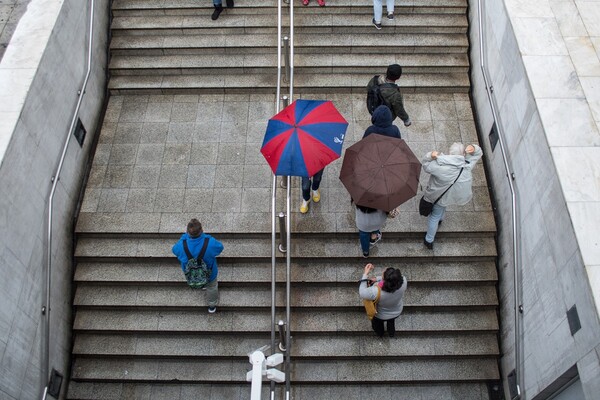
55	178
514	206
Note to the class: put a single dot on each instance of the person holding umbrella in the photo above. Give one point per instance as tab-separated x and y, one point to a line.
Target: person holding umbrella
450	182
369	222
315	182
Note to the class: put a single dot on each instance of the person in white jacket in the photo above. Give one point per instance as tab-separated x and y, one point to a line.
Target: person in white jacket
444	170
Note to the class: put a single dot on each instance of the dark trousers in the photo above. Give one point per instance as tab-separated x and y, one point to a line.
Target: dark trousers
306	184
378	326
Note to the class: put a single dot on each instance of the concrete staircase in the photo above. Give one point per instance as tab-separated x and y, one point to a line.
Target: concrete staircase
139	331
139	328
174	47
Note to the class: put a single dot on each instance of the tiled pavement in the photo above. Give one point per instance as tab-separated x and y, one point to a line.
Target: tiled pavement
163	159
11	12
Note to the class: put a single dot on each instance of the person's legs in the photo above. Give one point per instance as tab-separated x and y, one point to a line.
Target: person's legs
365	241
390	6
316	182
432	222
377	10
391	327
306	188
377	325
218	9
212	293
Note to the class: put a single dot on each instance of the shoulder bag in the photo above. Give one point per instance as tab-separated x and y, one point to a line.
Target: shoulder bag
425	207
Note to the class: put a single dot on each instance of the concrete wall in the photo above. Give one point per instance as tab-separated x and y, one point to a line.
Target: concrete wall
43	68
552	271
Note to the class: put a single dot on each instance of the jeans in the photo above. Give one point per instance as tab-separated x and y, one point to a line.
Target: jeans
377	325
378	8
365	240
217	3
212	293
433	220
306	183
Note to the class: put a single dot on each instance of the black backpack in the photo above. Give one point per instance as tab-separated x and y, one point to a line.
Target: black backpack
374	96
196	271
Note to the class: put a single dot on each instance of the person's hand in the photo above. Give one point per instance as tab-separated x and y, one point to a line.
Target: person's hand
470	149
434	154
368	268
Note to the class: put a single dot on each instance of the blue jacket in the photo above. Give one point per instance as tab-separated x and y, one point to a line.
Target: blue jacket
213	249
382	123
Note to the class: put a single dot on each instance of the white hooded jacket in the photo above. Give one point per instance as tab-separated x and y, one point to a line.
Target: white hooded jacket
444	170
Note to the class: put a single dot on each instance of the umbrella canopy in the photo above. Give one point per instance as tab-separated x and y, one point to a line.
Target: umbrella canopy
304	137
380	172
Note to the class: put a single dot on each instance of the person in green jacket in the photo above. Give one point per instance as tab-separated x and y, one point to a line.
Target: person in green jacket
391	92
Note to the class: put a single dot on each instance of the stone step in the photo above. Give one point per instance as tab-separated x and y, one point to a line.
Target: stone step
304	23
300	391
151	271
236	64
193	7
408	223
341	372
266	83
349	321
304	296
361	43
304	346
310	247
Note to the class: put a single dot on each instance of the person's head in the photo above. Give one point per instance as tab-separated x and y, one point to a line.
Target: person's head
457	149
392	280
194	228
394	72
382	116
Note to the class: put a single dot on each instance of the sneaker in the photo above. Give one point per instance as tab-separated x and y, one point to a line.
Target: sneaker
365	254
305	2
391	15
304	206
377	239
212	310
229	3
377	24
321	3
427	244
216	13
316	196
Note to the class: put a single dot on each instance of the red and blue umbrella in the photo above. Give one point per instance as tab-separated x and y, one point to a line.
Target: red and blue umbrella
304	137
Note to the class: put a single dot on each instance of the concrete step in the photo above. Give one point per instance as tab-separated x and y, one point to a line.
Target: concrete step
306	296
223	64
408	223
300	391
303	23
301	271
192	7
340	372
305	346
349	321
361	43
310	247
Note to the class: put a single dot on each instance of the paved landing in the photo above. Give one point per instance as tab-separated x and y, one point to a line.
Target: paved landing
163	159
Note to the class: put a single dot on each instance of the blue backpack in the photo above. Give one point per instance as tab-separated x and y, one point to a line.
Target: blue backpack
196	271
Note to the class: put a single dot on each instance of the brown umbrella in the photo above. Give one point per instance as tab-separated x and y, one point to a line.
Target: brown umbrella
380	172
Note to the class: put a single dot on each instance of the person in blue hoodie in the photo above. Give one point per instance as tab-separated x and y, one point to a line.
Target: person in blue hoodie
194	238
382	123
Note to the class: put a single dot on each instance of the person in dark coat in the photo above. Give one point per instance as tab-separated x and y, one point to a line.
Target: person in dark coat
391	92
382	123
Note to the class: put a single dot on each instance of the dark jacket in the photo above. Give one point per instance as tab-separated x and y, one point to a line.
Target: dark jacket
391	93
213	249
382	123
